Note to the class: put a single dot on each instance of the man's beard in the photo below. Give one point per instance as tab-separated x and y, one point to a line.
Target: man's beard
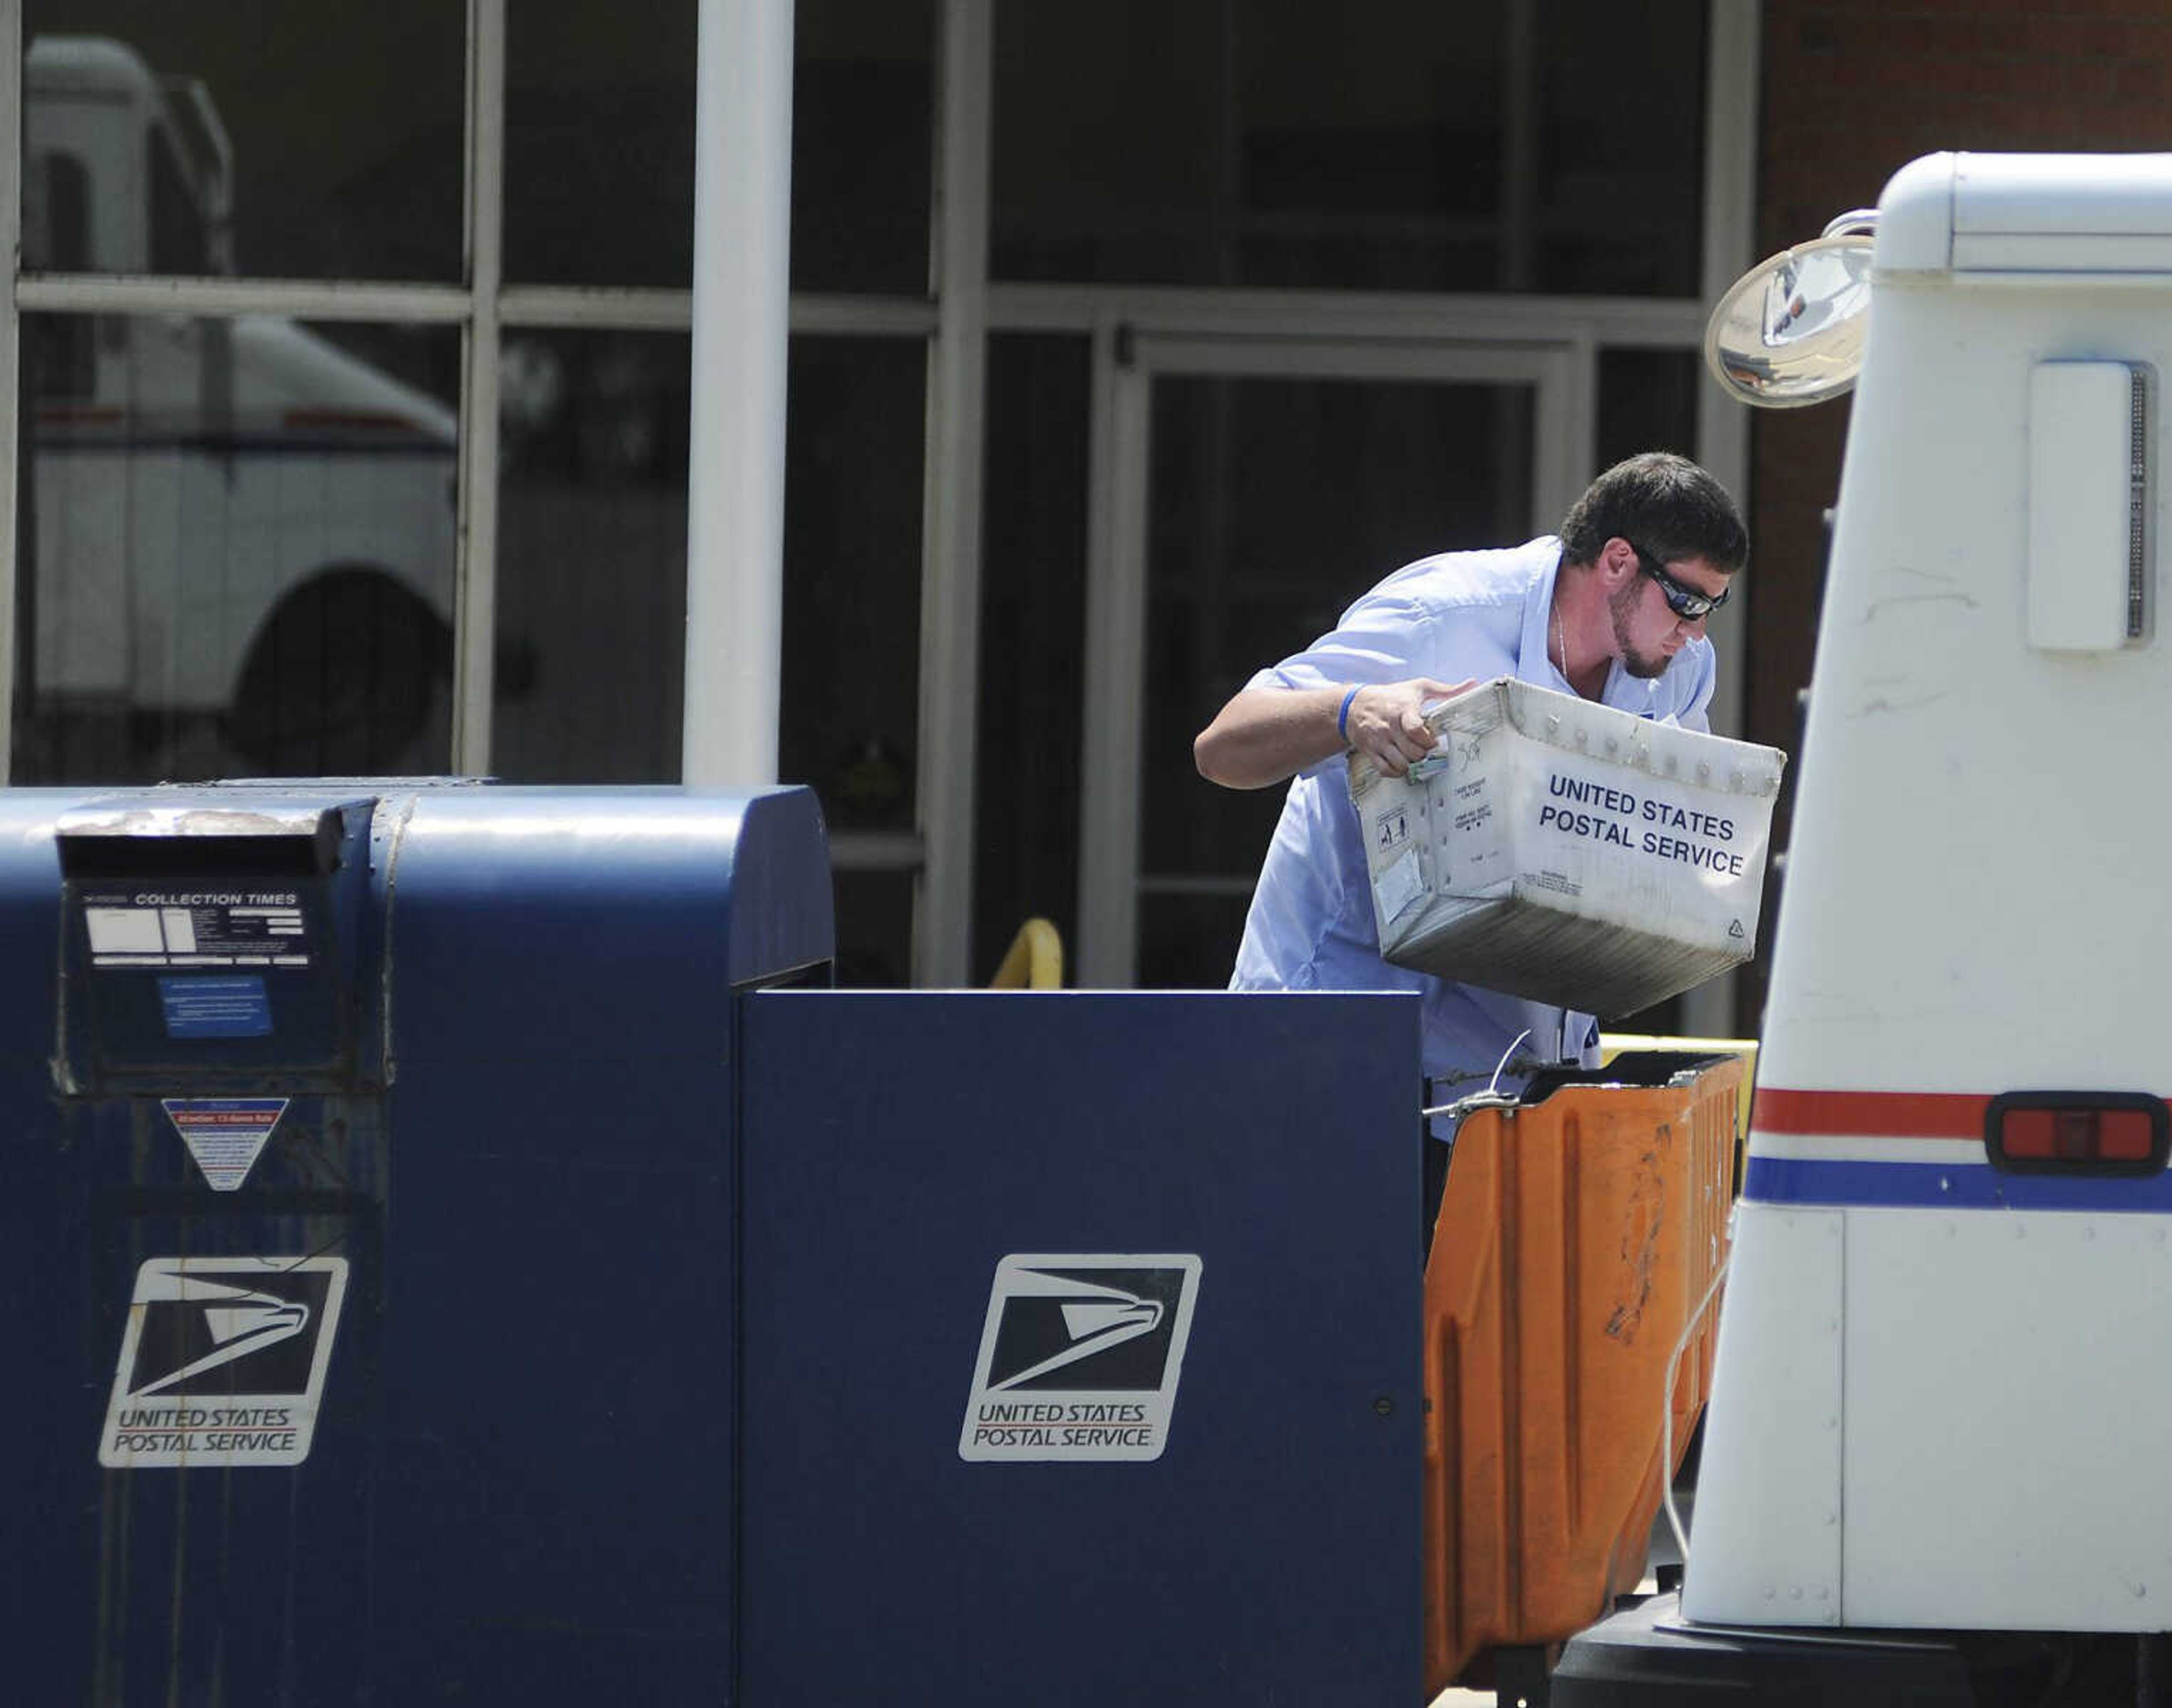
1633	662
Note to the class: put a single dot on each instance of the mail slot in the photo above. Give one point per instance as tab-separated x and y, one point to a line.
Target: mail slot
216	941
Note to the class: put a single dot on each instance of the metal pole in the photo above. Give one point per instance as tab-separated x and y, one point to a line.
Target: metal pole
474	623
735	454
950	578
11	248
1730	213
1730	219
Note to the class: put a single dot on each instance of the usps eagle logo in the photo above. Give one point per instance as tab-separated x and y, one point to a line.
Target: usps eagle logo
223	1361
1080	1356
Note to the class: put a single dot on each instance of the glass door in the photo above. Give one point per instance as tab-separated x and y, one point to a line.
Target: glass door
1255	487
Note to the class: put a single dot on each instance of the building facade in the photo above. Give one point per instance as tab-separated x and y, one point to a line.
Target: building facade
347	358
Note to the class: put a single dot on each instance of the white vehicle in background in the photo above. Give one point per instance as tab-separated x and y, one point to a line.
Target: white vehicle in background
239	535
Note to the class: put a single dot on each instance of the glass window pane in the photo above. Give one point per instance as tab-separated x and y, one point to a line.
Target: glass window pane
592	548
1273	503
591	556
854	435
1399	146
1033	610
1647	401
1188	940
271	141
599	144
862	149
242	540
853	442
875	929
1618	208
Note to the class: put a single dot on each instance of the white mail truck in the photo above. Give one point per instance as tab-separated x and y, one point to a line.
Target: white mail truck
237	535
1938	1464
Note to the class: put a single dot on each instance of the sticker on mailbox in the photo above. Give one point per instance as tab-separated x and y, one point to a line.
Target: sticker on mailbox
1080	1357
218	1008
225	1134
197	928
223	1362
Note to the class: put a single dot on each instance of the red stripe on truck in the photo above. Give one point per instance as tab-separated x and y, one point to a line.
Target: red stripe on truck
1886	1114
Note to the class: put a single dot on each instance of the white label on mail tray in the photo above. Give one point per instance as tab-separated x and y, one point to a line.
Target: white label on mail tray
1399	884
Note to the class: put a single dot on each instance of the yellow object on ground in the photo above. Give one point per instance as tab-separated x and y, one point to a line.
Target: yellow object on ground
1575	1237
1033	961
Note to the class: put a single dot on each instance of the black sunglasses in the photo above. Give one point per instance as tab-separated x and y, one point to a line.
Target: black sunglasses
1684	600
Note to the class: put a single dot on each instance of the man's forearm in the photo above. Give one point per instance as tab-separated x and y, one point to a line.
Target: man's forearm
1266	735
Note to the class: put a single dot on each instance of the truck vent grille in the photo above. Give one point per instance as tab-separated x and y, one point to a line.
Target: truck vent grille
2139	505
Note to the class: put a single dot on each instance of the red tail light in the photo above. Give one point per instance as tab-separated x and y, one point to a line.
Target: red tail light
2078	1132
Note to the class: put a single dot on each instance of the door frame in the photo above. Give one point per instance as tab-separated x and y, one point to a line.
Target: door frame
1562	374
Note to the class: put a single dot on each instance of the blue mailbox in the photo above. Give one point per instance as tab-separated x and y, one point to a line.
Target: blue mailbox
371	1233
459	1250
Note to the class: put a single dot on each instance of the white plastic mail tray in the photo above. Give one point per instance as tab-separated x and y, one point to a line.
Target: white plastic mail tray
1564	852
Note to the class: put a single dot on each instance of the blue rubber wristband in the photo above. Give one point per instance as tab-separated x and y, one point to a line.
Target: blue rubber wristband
1342	714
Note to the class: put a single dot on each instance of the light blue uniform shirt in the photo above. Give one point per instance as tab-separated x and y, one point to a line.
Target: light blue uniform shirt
1457	616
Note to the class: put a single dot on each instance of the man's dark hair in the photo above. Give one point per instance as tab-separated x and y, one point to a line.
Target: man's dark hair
1666	504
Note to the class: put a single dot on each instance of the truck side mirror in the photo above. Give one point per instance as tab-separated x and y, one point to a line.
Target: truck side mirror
1790	331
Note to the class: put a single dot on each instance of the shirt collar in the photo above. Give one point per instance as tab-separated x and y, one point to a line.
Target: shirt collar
1534	658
